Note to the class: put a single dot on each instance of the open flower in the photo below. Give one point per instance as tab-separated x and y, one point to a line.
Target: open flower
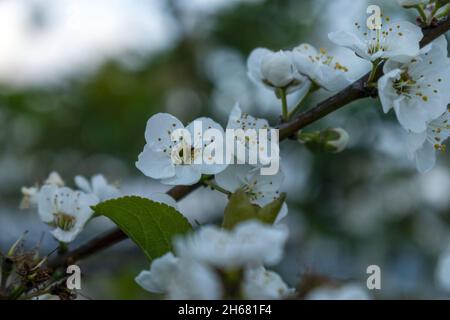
267	150
251	243
418	89
275	70
164	156
98	186
262	284
422	146
320	67
66	210
161	272
395	40
262	189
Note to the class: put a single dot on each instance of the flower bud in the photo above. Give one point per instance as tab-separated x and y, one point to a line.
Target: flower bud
333	140
277	69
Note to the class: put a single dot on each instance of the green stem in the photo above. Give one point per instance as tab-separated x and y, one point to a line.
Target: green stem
298	106
214	186
375	65
422	13
284	105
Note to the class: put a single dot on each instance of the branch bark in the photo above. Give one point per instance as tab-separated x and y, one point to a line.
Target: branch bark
355	91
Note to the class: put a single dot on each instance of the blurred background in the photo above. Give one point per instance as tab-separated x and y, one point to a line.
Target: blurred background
80	78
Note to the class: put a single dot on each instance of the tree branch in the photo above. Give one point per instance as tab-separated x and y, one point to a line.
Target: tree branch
355	91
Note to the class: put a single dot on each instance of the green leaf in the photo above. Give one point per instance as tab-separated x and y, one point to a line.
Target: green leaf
151	225
240	209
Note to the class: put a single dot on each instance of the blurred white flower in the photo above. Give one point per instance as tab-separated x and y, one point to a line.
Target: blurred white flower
250	243
161	273
395	40
418	89
66	210
261	284
98	186
275	70
443	271
156	160
30	197
346	292
320	67
54	179
422	146
262	189
195	281
31	194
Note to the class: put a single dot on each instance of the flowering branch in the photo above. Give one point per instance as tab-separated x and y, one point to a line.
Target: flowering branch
353	92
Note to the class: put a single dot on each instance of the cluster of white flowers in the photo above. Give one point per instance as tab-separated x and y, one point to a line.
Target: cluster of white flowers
415	81
297	69
210	263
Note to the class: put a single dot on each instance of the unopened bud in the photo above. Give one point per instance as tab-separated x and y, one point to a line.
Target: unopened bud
331	140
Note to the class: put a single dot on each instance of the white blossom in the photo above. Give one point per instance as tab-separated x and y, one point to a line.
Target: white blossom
66	210
418	89
346	292
261	189
267	151
54	179
157	159
195	281
320	67
395	40
251	243
275	70
161	272
261	284
422	147
180	279
98	186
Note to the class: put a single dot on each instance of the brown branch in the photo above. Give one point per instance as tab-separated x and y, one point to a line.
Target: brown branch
355	91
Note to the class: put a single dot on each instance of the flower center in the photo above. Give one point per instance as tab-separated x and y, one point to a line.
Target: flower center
404	84
64	221
184	154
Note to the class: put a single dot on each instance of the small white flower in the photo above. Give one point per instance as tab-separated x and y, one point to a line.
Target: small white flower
54	179
261	284
180	279
98	186
422	146
418	89
195	281
30	196
241	120
443	271
395	40
157	159
66	210
320	67
161	272
251	243
275	70
346	292
262	189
